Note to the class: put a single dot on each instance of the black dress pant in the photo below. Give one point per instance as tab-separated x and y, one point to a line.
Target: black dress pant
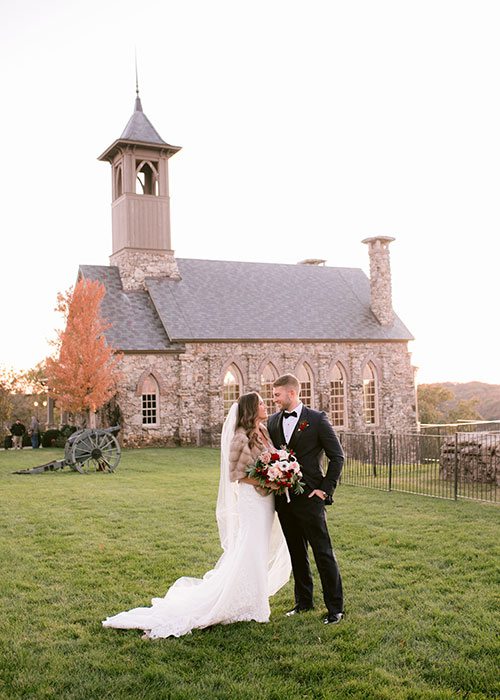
303	522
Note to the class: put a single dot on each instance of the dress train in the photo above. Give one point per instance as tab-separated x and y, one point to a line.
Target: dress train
236	589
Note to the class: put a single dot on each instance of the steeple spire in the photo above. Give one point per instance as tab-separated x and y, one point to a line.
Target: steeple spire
138	105
136	76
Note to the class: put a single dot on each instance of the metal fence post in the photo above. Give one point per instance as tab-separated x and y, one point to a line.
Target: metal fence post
374	455
455	470
391	438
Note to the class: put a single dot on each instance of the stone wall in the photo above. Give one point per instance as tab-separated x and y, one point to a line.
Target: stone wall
478	458
191	402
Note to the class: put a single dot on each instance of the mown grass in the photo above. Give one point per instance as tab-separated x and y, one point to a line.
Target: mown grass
421	580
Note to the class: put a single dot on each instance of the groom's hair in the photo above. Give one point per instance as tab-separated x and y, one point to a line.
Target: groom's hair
288	380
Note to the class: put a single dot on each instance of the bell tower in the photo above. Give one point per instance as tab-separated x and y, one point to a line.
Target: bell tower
141	202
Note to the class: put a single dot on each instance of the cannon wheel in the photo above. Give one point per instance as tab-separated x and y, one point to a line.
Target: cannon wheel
94	452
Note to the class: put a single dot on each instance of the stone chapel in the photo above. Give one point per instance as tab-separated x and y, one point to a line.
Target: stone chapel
190	337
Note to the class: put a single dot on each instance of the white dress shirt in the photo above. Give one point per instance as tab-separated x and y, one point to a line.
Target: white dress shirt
290	423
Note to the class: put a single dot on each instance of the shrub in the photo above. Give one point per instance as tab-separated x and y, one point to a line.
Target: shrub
67	430
49	437
56	437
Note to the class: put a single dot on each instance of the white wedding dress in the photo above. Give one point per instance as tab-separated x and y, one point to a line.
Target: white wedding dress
255	564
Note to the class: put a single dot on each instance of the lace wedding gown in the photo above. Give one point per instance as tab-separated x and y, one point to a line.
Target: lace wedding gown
254	565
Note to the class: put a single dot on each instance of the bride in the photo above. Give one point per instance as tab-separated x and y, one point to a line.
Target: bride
255	562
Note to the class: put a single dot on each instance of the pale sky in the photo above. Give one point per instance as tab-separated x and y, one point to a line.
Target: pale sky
305	127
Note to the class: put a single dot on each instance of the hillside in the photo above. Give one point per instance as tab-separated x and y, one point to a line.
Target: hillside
488	396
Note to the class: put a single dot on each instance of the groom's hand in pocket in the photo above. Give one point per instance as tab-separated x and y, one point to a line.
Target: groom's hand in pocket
319	493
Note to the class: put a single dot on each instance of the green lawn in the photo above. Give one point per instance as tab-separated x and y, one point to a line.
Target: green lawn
421	579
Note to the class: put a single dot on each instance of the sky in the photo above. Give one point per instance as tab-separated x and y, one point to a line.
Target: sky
305	126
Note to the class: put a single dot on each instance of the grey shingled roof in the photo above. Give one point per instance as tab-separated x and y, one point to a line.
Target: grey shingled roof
139	128
220	300
135	323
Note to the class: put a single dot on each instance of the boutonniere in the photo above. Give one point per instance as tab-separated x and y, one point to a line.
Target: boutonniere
303	425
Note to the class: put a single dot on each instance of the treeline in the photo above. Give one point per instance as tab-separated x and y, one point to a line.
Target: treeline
448	402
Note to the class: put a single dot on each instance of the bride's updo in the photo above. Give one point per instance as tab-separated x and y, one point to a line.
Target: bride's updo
248	410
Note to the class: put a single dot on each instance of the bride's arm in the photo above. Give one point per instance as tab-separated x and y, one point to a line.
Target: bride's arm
238	457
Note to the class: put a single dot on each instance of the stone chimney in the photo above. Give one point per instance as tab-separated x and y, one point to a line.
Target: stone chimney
380	278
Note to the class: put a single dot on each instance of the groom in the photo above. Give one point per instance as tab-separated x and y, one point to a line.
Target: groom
303	520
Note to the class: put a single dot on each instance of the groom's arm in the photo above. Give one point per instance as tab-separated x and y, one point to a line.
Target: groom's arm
334	452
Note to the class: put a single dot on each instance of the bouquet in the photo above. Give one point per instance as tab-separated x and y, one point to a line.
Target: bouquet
279	468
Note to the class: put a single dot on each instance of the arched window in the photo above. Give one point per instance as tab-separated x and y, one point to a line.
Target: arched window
305	377
338	412
232	387
370	398
118	182
269	374
146	178
150	393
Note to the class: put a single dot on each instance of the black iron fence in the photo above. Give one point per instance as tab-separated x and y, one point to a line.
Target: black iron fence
458	465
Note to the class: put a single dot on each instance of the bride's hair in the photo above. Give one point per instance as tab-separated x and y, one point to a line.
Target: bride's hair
248	410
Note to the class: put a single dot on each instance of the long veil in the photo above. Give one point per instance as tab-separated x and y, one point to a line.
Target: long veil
227	500
228	520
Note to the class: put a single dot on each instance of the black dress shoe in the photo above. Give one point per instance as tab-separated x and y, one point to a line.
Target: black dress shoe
333	619
297	610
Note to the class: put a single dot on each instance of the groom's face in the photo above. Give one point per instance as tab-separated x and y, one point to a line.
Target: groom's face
284	397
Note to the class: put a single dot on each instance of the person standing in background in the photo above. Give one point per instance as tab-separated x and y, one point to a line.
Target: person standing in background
17	429
34	432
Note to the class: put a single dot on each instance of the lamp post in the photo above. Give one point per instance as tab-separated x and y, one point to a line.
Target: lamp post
34	428
36	404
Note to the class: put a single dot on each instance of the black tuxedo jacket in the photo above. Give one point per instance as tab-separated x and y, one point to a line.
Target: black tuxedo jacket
313	436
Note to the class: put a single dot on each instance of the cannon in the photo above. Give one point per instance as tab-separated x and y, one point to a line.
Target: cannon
92	449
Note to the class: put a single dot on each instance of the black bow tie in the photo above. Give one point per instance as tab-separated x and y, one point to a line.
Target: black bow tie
292	413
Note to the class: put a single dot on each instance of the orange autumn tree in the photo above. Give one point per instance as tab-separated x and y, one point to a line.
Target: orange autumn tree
83	375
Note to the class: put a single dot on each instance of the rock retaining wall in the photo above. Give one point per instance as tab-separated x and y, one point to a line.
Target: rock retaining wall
478	458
